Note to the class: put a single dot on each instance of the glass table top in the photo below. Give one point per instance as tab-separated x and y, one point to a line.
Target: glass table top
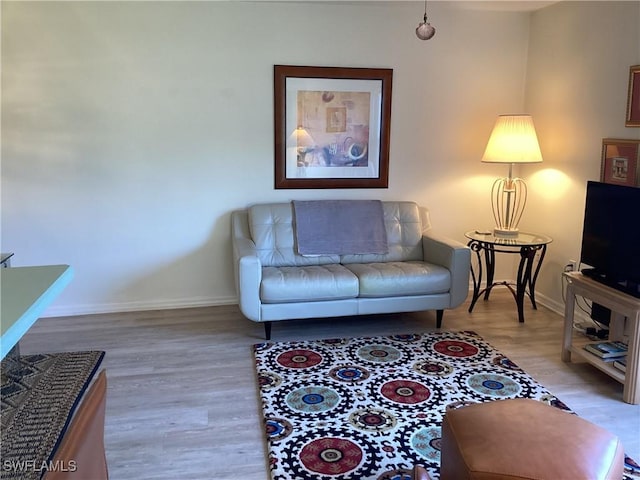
522	239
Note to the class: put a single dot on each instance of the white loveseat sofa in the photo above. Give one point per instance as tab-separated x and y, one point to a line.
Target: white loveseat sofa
420	271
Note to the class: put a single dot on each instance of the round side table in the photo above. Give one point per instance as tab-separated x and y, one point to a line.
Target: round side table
486	245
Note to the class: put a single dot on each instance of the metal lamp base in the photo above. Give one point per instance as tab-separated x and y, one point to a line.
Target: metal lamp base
508	199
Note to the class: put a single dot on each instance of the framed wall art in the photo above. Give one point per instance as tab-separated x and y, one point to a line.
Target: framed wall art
332	127
633	98
620	162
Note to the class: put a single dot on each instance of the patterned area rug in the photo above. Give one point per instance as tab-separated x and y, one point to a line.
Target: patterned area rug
39	395
371	408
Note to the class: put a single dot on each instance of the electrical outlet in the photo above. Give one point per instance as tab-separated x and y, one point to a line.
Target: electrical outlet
571	266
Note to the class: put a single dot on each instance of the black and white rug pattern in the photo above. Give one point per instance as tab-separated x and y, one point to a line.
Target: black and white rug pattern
371	408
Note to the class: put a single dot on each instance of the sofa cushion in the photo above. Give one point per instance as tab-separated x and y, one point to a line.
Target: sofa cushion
307	284
391	279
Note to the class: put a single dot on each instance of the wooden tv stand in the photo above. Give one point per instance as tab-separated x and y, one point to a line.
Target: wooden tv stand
621	305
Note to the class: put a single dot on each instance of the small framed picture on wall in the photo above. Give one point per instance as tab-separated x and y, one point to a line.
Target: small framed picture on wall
620	162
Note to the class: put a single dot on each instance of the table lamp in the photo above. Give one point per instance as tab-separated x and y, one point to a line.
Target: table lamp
513	140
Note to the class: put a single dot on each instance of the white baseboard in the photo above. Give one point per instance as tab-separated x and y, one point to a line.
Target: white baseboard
551	304
90	309
558	307
193	302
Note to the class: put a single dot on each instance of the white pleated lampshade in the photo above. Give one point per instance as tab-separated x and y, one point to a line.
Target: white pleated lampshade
513	140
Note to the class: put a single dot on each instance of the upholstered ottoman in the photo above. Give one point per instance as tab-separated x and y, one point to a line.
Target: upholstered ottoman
526	439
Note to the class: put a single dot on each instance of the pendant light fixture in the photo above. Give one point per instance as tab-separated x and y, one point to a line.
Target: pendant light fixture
425	31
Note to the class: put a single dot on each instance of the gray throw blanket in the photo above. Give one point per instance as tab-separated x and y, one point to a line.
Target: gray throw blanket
340	227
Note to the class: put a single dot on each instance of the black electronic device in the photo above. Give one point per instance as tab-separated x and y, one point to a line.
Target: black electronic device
600	313
611	236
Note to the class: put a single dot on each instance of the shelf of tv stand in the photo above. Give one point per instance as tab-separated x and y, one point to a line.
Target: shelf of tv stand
606	367
621	305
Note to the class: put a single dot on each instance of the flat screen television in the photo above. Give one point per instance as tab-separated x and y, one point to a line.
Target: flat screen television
611	236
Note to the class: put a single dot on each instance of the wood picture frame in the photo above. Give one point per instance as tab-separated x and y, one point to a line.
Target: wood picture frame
633	97
332	127
620	162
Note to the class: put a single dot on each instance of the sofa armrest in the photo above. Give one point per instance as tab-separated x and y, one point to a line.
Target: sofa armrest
246	265
454	256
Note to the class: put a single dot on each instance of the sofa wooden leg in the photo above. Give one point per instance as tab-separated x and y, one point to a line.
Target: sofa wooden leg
439	314
267	330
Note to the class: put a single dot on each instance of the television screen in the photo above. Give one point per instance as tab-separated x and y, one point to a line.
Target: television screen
611	235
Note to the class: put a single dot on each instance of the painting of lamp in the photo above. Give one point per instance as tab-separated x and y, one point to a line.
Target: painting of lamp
303	142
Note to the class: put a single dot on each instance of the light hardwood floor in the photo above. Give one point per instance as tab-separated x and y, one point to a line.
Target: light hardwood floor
182	400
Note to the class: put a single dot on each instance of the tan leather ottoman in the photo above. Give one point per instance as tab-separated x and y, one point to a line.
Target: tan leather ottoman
526	439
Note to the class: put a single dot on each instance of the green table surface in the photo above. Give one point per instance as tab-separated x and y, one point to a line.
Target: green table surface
25	292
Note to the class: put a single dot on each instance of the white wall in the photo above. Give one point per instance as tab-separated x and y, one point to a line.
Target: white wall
577	78
132	129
